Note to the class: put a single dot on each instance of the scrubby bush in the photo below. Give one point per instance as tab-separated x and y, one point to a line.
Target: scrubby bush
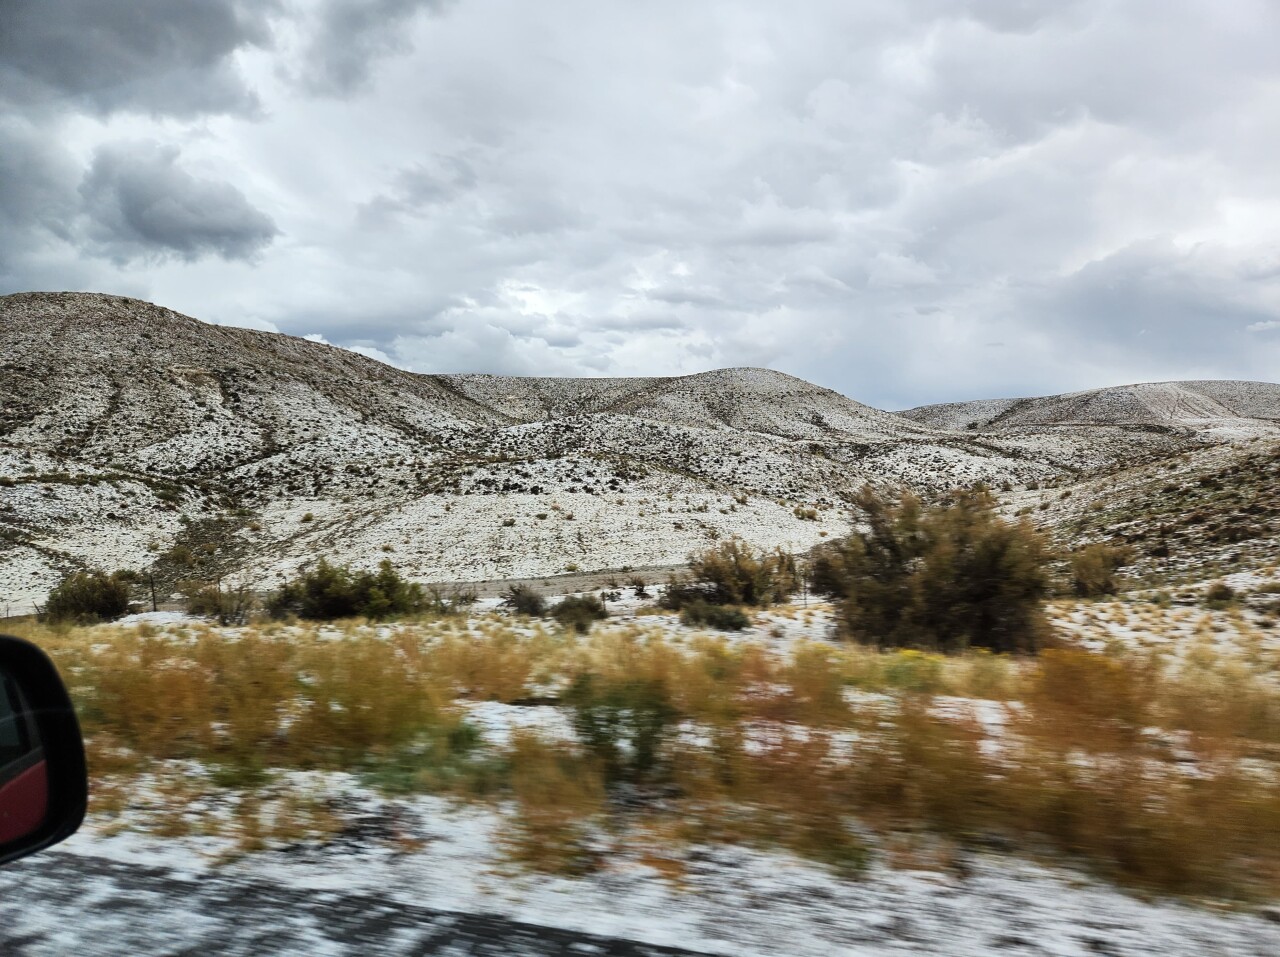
523	600
88	597
1219	595
939	578
229	605
453	602
732	573
579	612
623	722
723	617
1094	568
329	592
182	556
558	795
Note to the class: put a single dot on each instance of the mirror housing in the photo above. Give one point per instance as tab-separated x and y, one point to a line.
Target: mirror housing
43	782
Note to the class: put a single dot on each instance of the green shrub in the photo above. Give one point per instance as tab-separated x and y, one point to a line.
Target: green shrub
579	612
732	573
623	723
328	592
939	578
724	618
523	600
88	597
1094	567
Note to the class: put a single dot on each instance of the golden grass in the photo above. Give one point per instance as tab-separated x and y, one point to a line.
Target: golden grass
559	796
1157	768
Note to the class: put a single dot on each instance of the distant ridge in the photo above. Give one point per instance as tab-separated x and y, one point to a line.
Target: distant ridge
749	399
1199	404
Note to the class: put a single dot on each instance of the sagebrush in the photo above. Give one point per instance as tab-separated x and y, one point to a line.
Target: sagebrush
945	577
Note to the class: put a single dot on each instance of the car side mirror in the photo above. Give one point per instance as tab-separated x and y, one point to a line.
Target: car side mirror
43	785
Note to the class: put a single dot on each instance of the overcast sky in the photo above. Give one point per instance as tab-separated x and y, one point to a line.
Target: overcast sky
908	202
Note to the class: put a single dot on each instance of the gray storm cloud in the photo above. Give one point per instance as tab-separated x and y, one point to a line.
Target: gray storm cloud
142	204
36	180
867	195
163	56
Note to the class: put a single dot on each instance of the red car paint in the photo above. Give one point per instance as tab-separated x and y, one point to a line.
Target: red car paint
24	801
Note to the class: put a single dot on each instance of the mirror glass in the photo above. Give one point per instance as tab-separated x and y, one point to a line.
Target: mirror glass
24	781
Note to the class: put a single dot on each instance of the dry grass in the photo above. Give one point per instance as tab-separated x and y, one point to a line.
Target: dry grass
1156	768
786	787
559	796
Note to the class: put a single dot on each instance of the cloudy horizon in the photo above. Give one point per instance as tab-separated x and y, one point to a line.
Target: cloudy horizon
908	202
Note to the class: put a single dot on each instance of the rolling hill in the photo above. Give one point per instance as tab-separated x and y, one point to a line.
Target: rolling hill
133	436
1194	407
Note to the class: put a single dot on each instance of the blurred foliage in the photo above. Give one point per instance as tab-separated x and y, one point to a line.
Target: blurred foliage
700	612
1094	568
1156	774
623	722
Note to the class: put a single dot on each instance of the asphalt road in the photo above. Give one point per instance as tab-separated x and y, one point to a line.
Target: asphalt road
53	905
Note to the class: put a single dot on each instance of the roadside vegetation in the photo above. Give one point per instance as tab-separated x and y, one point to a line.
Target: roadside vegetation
328	592
723	579
89	597
964	704
942	578
1153	770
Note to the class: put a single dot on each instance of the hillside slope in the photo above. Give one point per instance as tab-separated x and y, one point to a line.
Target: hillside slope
124	382
133	436
748	400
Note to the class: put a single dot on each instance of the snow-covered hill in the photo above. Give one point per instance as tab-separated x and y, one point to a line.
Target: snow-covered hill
746	400
132	436
1193	407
